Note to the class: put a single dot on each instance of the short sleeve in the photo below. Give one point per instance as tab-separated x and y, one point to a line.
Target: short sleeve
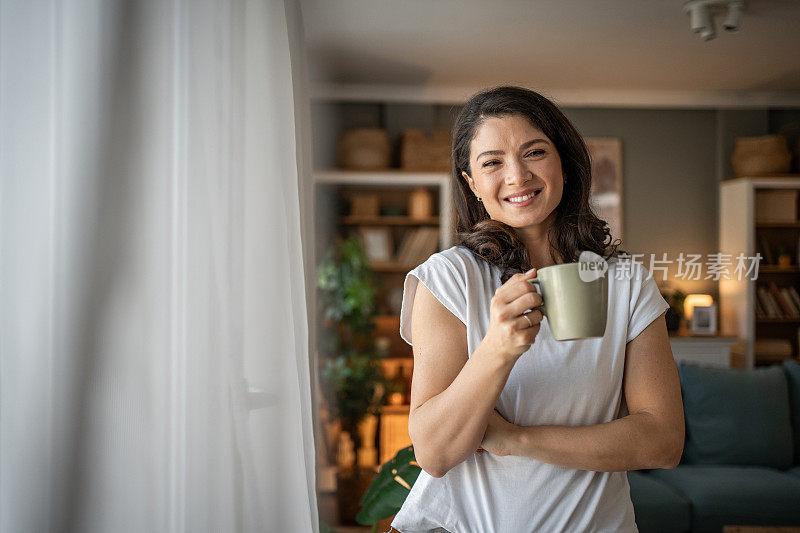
646	302
445	278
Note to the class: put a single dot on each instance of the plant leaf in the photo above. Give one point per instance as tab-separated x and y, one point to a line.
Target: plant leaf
390	488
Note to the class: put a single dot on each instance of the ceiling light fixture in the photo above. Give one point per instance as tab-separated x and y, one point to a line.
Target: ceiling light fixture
702	12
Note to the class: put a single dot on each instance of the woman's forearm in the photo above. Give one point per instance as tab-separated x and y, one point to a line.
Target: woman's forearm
634	442
448	427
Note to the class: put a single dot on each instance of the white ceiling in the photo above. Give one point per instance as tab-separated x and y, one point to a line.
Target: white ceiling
584	50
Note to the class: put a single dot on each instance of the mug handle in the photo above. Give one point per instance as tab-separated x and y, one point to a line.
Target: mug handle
535	281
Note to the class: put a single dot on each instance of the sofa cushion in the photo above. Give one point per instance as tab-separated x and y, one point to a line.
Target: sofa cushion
735	495
658	507
794	471
736	416
792	368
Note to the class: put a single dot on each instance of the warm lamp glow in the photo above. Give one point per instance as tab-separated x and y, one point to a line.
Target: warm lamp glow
693	300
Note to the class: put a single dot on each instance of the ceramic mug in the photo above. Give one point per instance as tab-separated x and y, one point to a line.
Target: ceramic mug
575	309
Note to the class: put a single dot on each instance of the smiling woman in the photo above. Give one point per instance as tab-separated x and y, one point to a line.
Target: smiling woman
518	179
514	429
510	142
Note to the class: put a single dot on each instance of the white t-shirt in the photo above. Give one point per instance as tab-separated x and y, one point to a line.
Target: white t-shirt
567	383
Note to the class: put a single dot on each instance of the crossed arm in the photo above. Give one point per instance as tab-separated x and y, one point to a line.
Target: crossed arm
651	436
453	398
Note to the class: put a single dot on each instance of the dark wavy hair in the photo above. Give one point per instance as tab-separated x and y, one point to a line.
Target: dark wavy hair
576	227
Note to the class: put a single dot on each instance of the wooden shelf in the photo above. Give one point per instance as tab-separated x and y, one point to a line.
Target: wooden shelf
774	269
775	180
389	266
381	178
389	221
795	224
395	409
771	359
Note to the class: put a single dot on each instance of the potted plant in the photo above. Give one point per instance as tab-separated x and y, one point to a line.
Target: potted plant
352	380
674	314
784	257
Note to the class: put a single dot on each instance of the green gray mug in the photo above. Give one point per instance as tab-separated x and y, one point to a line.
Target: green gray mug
575	309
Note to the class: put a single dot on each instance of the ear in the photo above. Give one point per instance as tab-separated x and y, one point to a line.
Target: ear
469	181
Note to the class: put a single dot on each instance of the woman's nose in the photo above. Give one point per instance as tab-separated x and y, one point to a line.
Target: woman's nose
516	172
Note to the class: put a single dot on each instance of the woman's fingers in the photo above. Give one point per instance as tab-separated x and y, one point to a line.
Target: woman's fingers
523	303
515	287
534	316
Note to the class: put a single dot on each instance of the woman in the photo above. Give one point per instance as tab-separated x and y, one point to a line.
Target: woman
514	430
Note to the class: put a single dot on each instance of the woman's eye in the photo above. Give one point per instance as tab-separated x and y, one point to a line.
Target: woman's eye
489	163
535	152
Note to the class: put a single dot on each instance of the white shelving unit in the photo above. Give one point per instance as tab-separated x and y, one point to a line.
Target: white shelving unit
737	233
400	178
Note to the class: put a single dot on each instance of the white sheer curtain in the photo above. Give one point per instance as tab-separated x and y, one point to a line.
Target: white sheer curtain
154	372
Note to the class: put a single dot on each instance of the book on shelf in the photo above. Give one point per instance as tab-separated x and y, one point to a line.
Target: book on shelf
787	297
786	311
417	245
760	312
795	296
405	246
768	302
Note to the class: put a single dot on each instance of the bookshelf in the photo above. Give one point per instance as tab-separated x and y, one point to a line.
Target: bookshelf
744	204
410	239
334	194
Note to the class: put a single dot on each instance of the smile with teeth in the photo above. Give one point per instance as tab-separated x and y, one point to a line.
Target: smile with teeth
518	199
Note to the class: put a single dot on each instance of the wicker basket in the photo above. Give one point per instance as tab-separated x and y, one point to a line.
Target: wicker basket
420	152
364	149
756	156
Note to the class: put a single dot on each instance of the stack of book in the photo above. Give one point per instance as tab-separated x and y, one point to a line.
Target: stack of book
774	302
417	245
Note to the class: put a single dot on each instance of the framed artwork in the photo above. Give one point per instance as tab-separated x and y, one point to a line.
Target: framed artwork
377	243
704	320
606	157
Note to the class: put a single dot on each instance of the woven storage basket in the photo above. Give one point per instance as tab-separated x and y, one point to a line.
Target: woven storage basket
364	149
420	152
755	156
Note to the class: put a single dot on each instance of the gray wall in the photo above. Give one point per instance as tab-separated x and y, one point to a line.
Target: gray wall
672	161
669	179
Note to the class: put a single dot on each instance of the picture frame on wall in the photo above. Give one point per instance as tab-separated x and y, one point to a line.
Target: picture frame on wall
377	243
704	320
605	154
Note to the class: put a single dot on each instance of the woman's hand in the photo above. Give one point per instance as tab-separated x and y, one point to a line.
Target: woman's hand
510	334
499	436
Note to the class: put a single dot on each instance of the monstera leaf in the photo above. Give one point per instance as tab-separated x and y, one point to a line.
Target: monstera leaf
389	489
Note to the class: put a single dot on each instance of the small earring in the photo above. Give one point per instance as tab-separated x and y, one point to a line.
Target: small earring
479	198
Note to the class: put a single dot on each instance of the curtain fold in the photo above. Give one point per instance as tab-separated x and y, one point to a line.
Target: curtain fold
154	345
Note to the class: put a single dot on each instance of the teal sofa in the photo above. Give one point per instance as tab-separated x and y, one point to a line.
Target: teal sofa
741	457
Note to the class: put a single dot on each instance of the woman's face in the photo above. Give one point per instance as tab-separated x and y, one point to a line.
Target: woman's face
511	159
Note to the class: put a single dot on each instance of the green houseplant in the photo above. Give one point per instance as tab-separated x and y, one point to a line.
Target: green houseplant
674	314
389	489
352	380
